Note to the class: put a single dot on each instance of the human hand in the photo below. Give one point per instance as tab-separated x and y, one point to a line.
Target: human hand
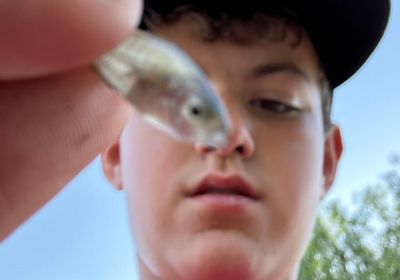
56	114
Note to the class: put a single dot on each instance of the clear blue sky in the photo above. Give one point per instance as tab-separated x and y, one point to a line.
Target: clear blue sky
83	233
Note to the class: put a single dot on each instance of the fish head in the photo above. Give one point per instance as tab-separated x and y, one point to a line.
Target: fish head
201	114
189	110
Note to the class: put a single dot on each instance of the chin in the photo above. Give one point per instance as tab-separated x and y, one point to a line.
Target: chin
217	256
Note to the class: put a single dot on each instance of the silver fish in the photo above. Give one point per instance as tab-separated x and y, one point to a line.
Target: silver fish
167	87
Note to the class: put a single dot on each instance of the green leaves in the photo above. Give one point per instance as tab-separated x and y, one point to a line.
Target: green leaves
361	243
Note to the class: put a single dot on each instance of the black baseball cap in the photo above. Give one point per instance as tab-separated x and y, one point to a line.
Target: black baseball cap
344	32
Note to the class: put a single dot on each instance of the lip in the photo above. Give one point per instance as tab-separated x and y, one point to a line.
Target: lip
226	189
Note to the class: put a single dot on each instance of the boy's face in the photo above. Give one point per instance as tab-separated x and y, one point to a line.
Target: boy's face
278	146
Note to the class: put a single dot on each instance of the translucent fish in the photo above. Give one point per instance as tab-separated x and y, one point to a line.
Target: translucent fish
167	87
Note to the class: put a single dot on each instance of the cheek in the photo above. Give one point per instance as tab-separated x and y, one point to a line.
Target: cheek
301	167
148	157
292	158
149	161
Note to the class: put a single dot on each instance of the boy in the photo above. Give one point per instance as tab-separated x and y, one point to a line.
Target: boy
246	210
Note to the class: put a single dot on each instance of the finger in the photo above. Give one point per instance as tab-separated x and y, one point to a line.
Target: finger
50	129
39	37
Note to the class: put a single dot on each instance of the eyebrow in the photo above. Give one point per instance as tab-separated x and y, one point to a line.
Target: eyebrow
274	68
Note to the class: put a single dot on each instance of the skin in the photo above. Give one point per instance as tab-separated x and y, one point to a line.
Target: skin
286	157
56	115
61	35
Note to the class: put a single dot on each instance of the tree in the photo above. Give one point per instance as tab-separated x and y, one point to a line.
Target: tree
362	242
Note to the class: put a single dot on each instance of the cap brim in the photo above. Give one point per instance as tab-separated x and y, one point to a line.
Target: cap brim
344	32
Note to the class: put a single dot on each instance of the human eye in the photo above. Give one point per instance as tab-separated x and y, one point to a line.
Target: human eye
274	107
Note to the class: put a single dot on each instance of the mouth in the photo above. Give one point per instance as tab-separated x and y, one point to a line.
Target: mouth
224	186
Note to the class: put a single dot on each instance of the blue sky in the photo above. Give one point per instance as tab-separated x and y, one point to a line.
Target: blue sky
83	233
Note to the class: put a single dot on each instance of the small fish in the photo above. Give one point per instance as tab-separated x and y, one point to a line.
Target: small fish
167	87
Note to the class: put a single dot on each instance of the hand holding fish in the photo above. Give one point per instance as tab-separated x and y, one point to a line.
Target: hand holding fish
56	114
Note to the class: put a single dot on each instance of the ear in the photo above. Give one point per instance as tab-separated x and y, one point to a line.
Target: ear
111	164
333	149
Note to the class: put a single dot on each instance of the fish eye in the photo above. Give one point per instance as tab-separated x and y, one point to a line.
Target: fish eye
195	110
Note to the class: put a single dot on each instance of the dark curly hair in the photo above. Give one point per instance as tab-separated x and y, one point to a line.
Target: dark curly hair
244	27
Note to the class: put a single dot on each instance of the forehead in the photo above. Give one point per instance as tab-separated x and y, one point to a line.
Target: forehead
276	47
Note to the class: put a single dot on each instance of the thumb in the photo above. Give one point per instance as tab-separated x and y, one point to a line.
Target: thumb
40	37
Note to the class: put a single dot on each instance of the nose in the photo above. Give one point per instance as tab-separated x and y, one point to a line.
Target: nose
239	142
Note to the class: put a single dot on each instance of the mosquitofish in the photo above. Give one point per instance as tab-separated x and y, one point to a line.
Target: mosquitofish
167	88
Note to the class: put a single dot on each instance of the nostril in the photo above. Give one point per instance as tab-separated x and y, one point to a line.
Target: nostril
237	144
204	150
209	149
240	149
